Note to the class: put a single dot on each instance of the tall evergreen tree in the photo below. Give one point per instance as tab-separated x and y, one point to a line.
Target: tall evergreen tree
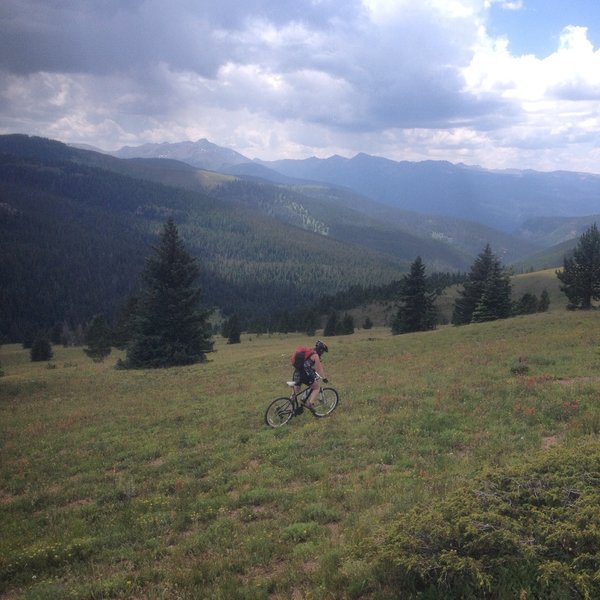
417	310
347	325
170	327
495	302
580	276
311	323
231	330
486	293
332	325
98	338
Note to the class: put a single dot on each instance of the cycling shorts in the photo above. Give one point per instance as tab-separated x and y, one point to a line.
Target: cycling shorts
306	375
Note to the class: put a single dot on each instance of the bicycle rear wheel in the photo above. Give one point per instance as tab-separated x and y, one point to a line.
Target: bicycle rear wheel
326	402
279	412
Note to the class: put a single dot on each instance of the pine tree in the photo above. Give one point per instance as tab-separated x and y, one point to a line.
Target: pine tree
580	276
527	304
332	325
486	293
311	323
231	330
544	301
347	325
98	338
41	349
417	310
495	300
170	327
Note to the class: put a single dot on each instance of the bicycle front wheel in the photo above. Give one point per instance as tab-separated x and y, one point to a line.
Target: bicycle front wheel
326	402
279	412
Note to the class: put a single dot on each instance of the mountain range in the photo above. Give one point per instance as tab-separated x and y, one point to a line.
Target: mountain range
511	200
76	225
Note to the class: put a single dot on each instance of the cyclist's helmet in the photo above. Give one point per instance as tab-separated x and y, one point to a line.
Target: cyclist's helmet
321	347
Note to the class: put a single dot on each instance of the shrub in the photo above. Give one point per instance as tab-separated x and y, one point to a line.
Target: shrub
532	531
319	514
520	366
300	532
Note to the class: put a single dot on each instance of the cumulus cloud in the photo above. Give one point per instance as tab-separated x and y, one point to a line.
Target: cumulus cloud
273	78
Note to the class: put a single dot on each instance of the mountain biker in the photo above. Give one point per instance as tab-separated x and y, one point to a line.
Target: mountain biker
306	374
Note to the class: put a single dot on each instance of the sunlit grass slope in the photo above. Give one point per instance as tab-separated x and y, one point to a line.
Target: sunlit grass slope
538	281
167	484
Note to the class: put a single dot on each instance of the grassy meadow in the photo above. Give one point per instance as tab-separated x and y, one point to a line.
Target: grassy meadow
167	484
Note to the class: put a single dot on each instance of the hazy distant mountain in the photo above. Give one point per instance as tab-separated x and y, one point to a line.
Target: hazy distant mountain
503	200
255	170
444	243
201	154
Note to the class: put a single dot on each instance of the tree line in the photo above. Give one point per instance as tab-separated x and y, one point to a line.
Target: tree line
486	293
166	324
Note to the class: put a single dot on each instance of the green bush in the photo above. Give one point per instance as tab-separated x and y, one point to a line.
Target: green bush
319	514
531	531
520	366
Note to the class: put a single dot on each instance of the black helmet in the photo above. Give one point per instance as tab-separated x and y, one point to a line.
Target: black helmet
321	347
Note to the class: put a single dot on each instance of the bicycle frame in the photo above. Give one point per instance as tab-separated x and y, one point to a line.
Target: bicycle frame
282	409
303	394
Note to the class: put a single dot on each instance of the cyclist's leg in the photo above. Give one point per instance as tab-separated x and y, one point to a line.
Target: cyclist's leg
315	387
297	379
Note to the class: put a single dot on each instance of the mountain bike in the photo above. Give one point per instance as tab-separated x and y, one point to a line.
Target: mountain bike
281	410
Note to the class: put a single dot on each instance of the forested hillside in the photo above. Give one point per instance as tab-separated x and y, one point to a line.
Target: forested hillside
444	244
74	237
76	226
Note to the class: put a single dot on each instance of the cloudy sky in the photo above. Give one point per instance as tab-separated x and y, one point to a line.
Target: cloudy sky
499	83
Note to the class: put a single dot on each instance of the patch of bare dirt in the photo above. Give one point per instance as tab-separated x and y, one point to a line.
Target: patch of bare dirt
310	566
6	498
549	441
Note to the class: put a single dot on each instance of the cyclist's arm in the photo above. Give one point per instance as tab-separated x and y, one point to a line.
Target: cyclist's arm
319	367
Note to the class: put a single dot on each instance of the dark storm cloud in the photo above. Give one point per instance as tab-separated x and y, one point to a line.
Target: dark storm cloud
105	36
101	38
393	72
